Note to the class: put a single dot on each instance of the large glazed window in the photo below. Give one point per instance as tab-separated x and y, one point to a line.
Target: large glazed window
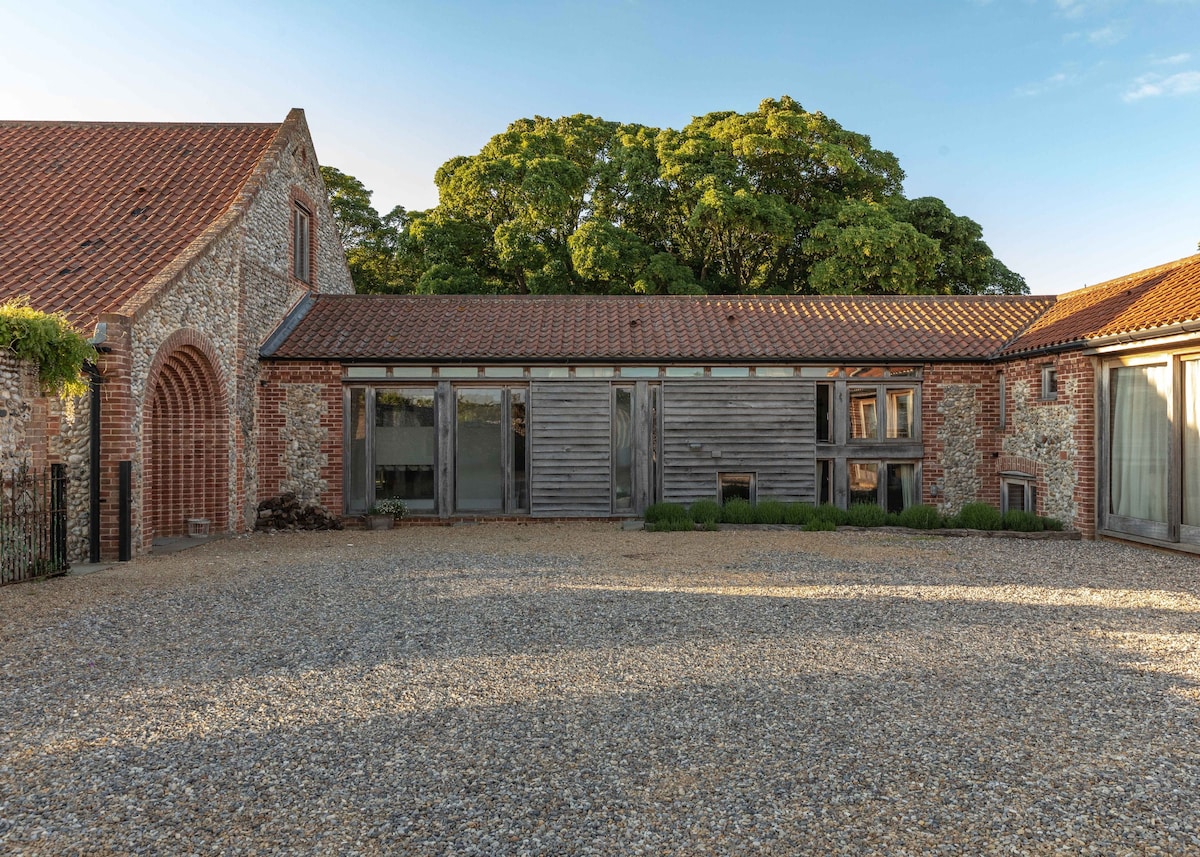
890	484
1139	431
879	412
404	447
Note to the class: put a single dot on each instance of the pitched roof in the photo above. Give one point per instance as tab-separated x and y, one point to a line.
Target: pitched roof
1138	303
439	328
91	211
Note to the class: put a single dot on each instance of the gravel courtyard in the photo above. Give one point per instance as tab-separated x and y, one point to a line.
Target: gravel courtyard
579	689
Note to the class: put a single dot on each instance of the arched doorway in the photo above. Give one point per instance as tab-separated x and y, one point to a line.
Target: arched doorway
186	472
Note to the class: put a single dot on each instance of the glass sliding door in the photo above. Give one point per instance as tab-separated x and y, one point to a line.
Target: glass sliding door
357	468
622	450
404	447
1190	529
1139	455
479	450
519	488
491	455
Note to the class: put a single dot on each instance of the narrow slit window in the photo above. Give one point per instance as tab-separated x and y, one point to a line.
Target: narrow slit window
302	243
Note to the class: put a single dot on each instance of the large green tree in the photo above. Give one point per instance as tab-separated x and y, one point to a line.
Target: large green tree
779	200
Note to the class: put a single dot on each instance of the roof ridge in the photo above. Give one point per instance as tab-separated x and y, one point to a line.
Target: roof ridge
84	123
1137	275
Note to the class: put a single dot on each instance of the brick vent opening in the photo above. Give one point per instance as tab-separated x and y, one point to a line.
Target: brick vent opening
187	459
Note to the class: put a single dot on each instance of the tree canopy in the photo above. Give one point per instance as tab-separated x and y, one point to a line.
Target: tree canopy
781	200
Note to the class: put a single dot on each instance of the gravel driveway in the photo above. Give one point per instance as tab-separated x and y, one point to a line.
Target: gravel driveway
578	689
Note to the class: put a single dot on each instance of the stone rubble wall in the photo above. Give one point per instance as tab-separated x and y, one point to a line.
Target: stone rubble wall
961	456
1053	439
303	439
71	445
18	380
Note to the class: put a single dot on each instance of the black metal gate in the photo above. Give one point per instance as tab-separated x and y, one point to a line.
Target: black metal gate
33	524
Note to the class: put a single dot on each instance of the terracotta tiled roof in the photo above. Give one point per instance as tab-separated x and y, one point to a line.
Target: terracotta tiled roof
1148	300
561	328
91	211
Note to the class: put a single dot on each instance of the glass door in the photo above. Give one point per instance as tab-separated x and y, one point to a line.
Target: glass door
490	451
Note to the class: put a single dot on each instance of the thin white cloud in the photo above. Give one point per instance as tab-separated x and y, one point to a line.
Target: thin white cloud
1177	59
1157	86
1071	8
1049	84
1109	35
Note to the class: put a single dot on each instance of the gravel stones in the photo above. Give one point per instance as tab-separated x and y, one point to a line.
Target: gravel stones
579	689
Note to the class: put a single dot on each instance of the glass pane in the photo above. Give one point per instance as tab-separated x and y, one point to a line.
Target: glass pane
1191	443
458	372
1138	461
900	414
774	371
622	449
479	462
684	371
729	372
901	487
593	371
825	413
520	487
639	372
818	371
864	481
504	371
366	371
864	421
412	371
356	437
825	481
404	444
549	372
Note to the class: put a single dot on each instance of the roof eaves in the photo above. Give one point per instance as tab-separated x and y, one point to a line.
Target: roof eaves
290	322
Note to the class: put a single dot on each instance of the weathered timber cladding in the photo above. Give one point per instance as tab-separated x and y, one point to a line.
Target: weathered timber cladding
764	427
569	424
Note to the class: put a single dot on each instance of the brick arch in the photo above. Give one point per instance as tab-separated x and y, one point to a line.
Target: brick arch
186	454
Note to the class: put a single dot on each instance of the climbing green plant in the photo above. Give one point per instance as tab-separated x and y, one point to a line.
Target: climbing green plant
49	341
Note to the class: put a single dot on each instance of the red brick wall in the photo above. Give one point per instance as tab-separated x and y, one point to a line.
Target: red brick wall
116	431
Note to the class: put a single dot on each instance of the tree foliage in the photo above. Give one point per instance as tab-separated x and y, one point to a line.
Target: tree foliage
49	341
780	200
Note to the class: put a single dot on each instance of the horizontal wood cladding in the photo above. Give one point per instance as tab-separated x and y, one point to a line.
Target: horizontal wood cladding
765	427
569	429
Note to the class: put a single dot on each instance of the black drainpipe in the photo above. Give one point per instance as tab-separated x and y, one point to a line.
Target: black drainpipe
94	463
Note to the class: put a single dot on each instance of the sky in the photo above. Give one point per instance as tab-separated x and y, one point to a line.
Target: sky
1069	129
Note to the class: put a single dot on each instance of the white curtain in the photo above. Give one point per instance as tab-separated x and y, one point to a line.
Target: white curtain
1191	443
1139	441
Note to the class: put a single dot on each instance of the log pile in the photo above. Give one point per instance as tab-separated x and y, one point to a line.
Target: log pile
288	512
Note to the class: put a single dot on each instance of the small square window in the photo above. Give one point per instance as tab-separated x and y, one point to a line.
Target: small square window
736	485
302	243
1049	383
1018	493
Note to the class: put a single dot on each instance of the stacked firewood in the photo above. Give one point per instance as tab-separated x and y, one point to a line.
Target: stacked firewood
288	512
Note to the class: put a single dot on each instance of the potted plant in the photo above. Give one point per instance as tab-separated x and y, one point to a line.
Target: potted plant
385	513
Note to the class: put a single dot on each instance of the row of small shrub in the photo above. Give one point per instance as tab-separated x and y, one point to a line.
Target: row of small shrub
709	514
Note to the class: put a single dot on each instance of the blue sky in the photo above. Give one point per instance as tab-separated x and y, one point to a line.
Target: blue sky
1069	129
